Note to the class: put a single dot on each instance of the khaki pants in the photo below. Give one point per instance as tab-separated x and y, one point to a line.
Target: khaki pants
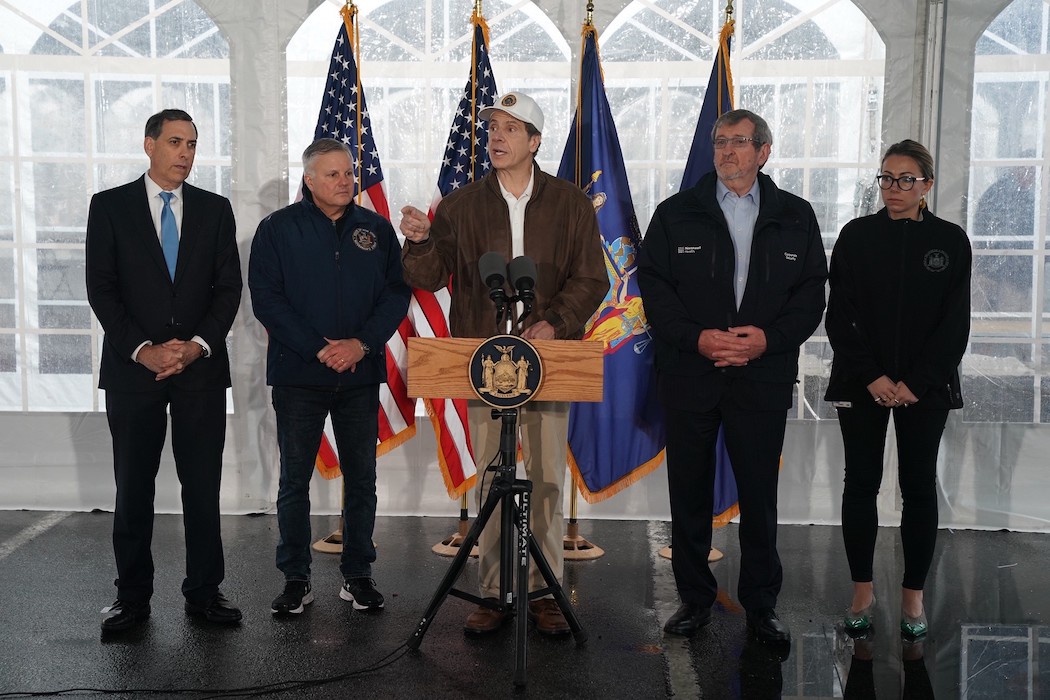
543	428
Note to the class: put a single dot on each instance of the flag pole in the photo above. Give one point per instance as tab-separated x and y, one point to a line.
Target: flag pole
333	543
576	547
450	546
715	554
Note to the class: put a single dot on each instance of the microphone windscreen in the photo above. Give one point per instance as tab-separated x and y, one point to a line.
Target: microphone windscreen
523	272
493	268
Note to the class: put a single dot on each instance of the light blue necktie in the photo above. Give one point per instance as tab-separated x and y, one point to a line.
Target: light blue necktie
169	233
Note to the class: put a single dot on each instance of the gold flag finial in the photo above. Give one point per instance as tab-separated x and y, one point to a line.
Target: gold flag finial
590	13
477	7
729	10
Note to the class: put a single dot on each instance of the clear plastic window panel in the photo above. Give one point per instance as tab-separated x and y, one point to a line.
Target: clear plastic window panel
1005	372
143	56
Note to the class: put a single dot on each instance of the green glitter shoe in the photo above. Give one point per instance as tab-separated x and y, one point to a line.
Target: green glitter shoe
860	621
914	627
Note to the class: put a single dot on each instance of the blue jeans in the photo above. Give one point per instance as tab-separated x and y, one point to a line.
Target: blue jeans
301	415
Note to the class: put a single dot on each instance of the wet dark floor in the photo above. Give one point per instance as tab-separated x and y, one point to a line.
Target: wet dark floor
987	601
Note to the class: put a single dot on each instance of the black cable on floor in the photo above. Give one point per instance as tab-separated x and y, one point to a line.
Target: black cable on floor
207	693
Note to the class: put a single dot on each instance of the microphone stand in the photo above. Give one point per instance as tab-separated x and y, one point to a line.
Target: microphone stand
526	298
499	299
517	543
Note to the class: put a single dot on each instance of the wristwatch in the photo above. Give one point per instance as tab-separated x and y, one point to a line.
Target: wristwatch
364	347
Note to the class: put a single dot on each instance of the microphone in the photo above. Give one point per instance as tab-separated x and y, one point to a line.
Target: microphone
523	276
493	269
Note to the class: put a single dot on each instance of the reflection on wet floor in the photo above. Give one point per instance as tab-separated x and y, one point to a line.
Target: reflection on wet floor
985	599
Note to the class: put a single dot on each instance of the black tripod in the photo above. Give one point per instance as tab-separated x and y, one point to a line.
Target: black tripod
513	495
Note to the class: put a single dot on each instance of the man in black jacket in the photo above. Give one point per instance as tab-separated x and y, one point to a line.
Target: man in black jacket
732	275
164	280
325	279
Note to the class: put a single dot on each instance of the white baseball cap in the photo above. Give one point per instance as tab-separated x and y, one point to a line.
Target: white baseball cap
518	105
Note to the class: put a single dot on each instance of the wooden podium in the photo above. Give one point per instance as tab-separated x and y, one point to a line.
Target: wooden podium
438	369
571	371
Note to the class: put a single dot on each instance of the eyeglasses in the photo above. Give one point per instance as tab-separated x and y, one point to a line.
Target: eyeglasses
904	182
734	142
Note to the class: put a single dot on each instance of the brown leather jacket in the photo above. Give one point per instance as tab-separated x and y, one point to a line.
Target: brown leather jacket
561	237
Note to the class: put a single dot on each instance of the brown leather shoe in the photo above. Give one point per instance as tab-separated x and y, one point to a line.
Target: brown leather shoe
485	620
548	617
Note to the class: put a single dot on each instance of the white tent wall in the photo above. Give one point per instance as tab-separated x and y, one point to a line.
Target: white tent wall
992	474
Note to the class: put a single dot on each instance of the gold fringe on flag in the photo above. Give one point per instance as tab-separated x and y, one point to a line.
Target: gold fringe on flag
618	485
392	443
468	483
327	471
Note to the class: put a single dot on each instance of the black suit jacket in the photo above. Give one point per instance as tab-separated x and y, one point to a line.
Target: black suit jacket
134	298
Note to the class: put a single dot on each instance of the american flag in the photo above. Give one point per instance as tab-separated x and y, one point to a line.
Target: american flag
344	116
465	159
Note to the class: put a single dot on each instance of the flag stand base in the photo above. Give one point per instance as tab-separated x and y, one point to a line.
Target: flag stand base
712	556
333	544
449	547
577	548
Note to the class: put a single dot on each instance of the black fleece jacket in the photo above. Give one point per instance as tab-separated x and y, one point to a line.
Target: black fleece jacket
686	269
899	306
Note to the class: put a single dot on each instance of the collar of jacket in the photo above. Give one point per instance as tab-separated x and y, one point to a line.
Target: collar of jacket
311	205
884	214
538	182
770	205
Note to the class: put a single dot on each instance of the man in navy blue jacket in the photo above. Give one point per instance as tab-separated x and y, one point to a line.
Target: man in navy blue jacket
732	275
325	281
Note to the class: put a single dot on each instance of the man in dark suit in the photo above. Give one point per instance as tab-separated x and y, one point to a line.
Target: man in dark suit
732	275
164	280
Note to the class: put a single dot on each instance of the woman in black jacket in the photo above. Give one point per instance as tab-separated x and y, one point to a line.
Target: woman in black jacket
898	320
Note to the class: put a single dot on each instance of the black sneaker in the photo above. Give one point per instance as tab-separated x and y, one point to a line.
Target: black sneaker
362	593
293	600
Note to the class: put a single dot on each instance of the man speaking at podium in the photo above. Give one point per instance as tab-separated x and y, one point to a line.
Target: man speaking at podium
515	210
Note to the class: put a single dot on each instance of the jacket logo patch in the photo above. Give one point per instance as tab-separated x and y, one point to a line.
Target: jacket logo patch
791	257
935	260
688	249
364	239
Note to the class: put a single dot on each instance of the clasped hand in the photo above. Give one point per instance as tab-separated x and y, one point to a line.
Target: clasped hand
889	393
734	347
341	355
169	358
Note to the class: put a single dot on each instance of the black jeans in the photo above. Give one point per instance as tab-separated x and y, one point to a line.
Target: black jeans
918	440
301	414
